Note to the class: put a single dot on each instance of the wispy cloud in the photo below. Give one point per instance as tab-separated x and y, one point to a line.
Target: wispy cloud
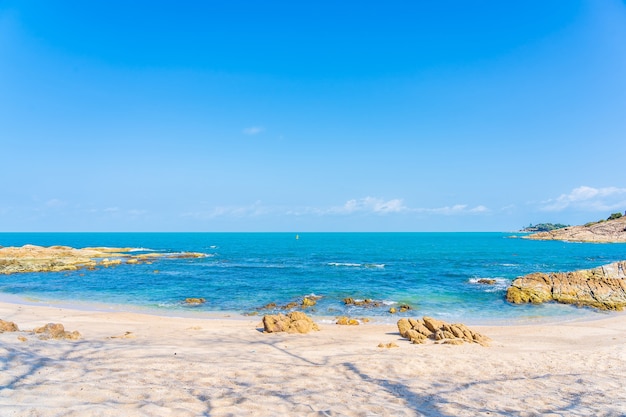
372	205
55	203
455	209
588	199
252	210
363	206
253	130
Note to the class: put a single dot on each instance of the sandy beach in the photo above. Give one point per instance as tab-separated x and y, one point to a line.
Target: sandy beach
142	365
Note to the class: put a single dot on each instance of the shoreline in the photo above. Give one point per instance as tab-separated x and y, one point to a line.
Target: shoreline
138	364
581	314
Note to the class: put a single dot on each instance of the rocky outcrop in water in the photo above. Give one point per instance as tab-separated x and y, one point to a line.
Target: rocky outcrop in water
603	287
347	321
194	301
420	331
294	322
599	232
31	258
367	303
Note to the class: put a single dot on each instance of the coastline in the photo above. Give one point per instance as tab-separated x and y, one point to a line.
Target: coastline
139	364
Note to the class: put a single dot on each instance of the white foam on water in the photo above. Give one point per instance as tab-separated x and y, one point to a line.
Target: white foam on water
350	264
500	284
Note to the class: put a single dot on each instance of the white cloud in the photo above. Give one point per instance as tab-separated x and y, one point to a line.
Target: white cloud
454	210
253	210
370	204
588	199
55	203
366	205
253	130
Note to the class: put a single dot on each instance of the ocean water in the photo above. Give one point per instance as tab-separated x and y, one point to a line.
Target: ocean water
435	273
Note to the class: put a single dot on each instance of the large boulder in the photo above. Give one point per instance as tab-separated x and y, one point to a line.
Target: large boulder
294	322
603	287
420	331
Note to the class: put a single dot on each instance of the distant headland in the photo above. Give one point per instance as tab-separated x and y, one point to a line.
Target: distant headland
613	229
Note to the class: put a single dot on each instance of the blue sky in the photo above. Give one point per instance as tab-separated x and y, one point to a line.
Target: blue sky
311	116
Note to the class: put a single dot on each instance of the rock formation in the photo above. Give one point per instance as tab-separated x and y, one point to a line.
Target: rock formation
388	345
421	330
347	321
402	308
603	231
31	258
303	303
603	287
294	322
194	301
55	331
367	303
8	326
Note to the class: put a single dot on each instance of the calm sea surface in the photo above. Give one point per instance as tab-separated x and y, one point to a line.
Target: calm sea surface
435	273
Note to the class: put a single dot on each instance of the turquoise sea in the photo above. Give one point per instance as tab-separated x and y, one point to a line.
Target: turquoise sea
435	273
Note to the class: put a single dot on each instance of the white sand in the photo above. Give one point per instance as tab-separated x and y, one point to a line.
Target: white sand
221	367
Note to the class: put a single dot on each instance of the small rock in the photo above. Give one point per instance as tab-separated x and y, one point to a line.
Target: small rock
55	331
486	281
8	326
346	321
195	301
308	302
367	303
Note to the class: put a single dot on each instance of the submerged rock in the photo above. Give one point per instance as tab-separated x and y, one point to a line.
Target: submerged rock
603	287
307	301
294	322
368	303
419	331
194	301
401	308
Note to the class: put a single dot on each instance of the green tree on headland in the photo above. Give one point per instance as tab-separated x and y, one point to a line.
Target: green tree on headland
611	217
544	227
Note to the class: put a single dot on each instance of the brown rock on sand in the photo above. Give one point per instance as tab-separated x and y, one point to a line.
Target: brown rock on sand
55	331
8	326
294	322
419	331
